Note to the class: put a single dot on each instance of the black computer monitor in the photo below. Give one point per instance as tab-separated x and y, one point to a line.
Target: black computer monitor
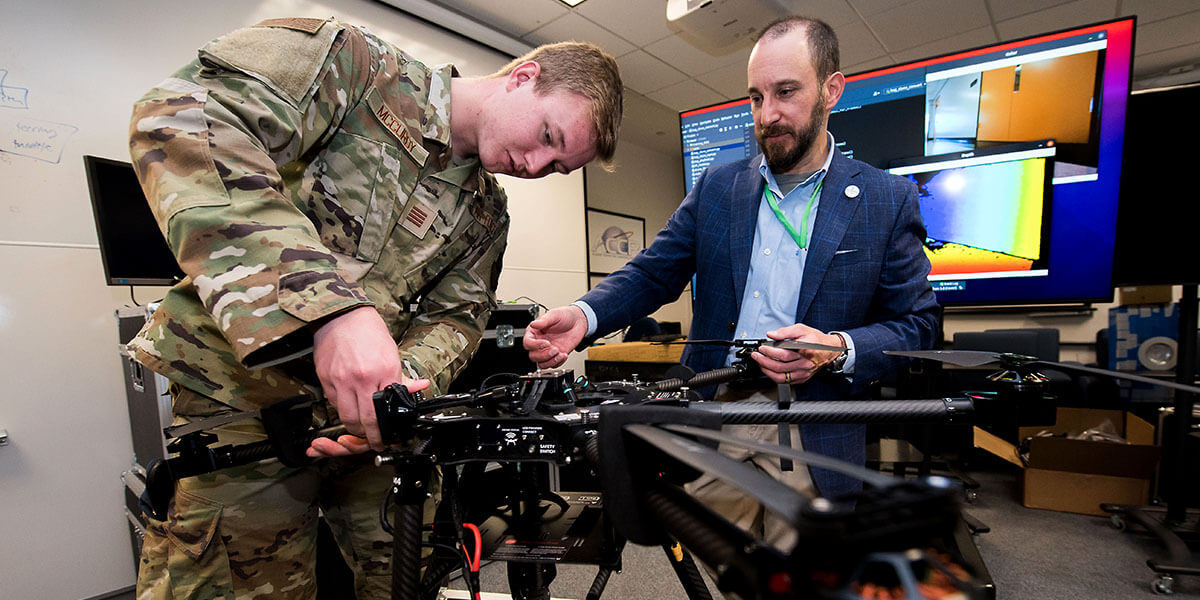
1155	244
131	246
1068	87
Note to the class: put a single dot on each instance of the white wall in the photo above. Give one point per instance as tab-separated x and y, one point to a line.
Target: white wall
75	68
546	260
648	184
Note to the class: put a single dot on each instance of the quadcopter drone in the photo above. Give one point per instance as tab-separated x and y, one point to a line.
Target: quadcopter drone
641	442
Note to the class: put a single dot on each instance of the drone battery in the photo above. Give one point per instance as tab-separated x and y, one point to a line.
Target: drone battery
569	532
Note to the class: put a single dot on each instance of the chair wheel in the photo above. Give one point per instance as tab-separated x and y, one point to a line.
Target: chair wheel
1165	584
1117	521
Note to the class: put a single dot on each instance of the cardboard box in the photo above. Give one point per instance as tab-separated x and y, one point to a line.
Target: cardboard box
1145	294
1079	475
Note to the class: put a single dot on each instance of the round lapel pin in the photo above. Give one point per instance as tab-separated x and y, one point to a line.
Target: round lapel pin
852	191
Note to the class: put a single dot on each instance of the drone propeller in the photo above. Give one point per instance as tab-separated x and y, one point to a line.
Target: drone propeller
979	358
785	344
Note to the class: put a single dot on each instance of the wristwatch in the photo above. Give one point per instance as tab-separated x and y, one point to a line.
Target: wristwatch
835	365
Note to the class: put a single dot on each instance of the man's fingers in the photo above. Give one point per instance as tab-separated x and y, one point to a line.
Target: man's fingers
779	354
552	361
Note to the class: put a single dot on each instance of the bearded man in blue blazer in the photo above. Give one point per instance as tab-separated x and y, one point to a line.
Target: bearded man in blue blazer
798	243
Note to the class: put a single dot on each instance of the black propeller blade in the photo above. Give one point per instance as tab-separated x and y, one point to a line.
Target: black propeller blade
785	344
979	358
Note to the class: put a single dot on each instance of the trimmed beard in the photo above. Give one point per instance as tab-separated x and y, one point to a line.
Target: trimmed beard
780	158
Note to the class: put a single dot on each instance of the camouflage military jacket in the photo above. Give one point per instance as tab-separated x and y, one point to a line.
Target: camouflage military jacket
300	168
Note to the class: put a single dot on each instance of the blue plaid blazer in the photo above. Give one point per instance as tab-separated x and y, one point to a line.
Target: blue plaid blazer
866	274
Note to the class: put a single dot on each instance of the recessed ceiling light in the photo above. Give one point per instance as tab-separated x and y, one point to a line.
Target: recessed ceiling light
571	2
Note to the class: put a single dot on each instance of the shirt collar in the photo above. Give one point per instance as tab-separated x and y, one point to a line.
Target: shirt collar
436	123
459	171
765	171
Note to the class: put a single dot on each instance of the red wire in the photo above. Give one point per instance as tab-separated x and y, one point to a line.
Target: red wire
478	545
474	564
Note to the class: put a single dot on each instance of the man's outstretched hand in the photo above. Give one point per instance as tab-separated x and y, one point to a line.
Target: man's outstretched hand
551	337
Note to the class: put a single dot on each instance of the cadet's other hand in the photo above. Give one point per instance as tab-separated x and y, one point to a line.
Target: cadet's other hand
345	445
553	336
795	366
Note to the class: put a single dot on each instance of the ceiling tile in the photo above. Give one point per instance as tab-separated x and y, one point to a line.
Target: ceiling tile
574	27
924	21
686	95
857	43
644	73
1149	11
971	39
870	7
875	63
640	21
1063	16
1009	9
833	12
1167	34
515	17
1158	63
729	81
690	60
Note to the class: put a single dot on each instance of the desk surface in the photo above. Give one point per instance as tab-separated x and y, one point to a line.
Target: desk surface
636	352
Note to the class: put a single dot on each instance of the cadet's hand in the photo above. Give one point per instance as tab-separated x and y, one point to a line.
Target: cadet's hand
553	336
355	357
795	366
347	445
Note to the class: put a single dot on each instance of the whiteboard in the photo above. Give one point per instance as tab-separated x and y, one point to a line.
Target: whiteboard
69	74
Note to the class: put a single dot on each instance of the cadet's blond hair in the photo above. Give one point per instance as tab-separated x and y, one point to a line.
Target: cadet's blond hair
585	69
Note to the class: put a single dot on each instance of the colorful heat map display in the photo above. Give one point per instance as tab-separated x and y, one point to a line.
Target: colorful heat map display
985	220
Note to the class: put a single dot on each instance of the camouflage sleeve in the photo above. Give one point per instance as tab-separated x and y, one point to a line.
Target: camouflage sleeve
212	145
449	324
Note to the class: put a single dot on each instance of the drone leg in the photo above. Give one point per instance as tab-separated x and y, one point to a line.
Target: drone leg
687	572
409	487
785	430
530	581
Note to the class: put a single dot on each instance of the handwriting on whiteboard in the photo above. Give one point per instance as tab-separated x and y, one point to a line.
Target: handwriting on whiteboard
12	96
25	136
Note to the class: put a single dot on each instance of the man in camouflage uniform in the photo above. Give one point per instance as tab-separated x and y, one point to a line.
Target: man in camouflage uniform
332	203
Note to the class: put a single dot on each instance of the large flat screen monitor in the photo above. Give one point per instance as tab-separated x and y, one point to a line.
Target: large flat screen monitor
1064	91
131	246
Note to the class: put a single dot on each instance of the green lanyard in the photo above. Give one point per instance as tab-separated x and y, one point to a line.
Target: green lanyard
801	238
